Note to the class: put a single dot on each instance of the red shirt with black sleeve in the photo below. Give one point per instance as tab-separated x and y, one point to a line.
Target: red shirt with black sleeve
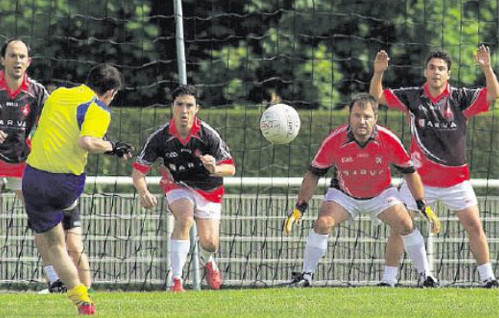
181	158
19	112
361	171
438	129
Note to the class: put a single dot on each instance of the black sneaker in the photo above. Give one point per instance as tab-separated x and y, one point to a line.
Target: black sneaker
427	281
57	287
301	280
491	283
384	283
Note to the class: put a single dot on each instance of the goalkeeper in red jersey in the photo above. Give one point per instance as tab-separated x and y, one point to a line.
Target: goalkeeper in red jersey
360	154
194	161
438	115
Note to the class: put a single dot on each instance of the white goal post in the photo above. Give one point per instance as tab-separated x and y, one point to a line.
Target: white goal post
255	181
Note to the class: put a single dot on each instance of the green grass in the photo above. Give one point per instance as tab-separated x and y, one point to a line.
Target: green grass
278	302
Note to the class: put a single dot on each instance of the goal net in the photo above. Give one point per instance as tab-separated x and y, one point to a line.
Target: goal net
243	56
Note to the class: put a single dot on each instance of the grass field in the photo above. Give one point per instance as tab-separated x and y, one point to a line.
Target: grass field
278	302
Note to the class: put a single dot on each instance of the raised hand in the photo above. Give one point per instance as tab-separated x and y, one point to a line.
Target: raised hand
482	56
381	61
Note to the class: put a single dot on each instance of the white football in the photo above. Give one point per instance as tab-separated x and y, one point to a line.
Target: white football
280	124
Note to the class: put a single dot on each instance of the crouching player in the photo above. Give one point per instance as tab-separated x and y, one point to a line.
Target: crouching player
361	153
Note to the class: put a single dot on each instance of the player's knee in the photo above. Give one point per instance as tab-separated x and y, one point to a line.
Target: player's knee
185	221
474	229
210	246
324	225
403	227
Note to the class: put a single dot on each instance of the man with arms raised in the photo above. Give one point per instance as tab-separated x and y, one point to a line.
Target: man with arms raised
438	115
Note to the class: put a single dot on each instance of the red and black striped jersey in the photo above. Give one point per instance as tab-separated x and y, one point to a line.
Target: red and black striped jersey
181	158
19	112
361	171
438	129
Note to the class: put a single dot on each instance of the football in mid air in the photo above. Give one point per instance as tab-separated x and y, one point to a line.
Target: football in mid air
280	124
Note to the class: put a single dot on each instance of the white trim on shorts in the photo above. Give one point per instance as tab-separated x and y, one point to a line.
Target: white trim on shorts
11	183
203	209
373	207
456	198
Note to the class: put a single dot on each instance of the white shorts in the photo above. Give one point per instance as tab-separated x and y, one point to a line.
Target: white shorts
11	183
373	207
203	209
456	198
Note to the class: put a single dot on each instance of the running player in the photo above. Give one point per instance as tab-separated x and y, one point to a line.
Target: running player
195	160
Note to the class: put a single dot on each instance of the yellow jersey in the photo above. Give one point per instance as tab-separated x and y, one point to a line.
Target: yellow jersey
68	114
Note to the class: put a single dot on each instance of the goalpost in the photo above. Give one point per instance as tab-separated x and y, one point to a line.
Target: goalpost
244	55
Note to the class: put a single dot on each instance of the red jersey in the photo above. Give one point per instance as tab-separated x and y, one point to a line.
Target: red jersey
438	129
361	171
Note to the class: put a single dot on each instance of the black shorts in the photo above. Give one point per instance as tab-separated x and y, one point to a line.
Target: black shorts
71	218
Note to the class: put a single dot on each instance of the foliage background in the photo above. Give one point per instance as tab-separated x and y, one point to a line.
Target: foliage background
312	54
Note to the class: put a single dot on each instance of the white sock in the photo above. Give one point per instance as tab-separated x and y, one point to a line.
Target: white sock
485	271
414	246
178	256
315	249
205	255
51	273
390	274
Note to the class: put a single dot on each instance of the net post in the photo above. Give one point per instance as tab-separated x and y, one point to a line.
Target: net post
168	233
196	277
430	251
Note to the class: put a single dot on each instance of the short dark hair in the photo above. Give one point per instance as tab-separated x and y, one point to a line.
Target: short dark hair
104	77
363	99
6	44
185	90
439	54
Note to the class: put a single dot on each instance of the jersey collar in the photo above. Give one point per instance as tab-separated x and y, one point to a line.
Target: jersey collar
4	85
426	93
350	136
196	127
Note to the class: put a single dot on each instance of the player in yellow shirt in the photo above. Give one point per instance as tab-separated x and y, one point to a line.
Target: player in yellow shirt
72	125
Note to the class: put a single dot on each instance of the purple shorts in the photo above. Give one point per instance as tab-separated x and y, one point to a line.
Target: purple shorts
46	195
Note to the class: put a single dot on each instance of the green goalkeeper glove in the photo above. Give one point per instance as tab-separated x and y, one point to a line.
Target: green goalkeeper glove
430	216
294	216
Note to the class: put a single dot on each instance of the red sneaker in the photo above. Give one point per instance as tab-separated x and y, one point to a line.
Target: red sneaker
86	309
213	276
177	286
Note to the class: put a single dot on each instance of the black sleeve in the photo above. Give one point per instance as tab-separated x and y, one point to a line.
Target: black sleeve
317	171
151	150
217	147
405	170
42	96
